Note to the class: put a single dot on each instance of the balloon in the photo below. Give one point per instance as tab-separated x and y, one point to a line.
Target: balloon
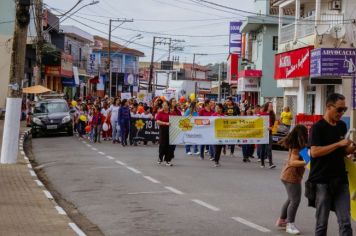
74	103
192	97
87	128
83	118
182	99
105	127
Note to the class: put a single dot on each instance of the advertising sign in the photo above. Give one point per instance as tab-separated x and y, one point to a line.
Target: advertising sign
235	38
125	95
293	64
208	130
333	62
66	65
248	85
93	63
143	129
233	69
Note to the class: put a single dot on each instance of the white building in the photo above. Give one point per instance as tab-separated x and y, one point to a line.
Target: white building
307	80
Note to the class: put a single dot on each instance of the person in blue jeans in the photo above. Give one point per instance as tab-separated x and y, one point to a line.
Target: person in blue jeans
192	111
124	118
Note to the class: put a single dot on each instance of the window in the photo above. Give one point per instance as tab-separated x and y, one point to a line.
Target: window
70	49
275	43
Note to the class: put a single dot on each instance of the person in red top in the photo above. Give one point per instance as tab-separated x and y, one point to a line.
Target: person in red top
218	148
97	122
174	108
205	111
266	149
166	151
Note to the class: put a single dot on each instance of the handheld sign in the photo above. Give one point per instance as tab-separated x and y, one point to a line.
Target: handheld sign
304	153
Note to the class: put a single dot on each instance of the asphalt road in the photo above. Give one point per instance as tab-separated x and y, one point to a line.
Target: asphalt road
125	192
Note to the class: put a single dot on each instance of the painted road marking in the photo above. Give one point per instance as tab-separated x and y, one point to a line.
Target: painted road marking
133	170
48	194
101	153
204	204
60	210
250	224
39	183
151	179
84	142
137	193
32	173
88	145
174	190
29	166
94	149
76	229
120	163
110	157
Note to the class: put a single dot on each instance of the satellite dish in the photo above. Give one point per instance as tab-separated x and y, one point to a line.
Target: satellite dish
322	29
338	31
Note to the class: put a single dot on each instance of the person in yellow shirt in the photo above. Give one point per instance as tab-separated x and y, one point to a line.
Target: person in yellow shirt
286	117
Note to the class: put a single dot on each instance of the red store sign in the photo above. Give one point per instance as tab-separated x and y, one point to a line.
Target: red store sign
293	64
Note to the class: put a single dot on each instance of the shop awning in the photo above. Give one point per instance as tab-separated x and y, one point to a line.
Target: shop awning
38	89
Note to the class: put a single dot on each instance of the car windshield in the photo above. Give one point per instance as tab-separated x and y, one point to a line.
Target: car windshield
53	107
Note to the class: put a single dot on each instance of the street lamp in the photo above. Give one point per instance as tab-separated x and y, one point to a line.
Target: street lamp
194	72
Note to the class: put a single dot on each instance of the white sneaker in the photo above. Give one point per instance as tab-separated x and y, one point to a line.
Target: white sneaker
291	229
197	153
189	153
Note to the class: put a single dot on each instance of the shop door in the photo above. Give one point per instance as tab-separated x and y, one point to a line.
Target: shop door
292	103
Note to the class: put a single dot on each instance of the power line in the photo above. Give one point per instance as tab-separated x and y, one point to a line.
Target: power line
158	33
264	15
156	20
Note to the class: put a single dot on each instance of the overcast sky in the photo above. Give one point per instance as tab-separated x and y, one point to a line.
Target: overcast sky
176	17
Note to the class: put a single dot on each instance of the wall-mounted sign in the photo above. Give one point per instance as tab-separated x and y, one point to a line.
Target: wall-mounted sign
235	38
293	64
333	62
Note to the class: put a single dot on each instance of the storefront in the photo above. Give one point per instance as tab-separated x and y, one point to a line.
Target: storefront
335	66
248	85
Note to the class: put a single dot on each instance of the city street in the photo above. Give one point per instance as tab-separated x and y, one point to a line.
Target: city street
125	192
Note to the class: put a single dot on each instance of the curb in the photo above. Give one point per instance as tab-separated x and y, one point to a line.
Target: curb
23	136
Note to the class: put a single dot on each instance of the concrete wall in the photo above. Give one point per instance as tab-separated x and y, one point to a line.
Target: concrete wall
7	13
268	84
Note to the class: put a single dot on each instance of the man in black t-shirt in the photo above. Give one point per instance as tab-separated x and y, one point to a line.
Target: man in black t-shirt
327	167
230	109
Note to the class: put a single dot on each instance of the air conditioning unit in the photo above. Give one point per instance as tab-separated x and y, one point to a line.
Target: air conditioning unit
335	5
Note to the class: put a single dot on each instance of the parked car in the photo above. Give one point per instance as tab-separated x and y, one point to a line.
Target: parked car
51	116
282	132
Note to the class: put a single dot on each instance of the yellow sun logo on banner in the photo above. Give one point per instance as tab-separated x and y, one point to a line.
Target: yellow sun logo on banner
139	124
185	125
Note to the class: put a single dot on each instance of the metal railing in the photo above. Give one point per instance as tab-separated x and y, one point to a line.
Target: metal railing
306	26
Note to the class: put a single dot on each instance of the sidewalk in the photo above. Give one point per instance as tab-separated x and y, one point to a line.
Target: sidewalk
24	208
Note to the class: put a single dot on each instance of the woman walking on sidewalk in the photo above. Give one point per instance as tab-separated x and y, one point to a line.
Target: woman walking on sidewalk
166	151
291	177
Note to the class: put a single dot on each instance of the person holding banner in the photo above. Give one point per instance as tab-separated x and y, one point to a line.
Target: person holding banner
165	151
266	149
192	111
124	118
231	110
218	148
327	187
291	177
206	111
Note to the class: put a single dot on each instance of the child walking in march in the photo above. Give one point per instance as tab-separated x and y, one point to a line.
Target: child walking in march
291	177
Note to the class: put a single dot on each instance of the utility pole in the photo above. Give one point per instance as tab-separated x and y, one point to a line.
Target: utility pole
124	20
157	41
219	83
151	65
9	149
194	72
39	41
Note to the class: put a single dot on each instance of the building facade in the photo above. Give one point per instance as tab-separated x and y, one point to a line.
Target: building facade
311	47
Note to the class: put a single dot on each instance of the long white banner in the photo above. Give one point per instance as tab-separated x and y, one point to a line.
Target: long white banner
214	130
